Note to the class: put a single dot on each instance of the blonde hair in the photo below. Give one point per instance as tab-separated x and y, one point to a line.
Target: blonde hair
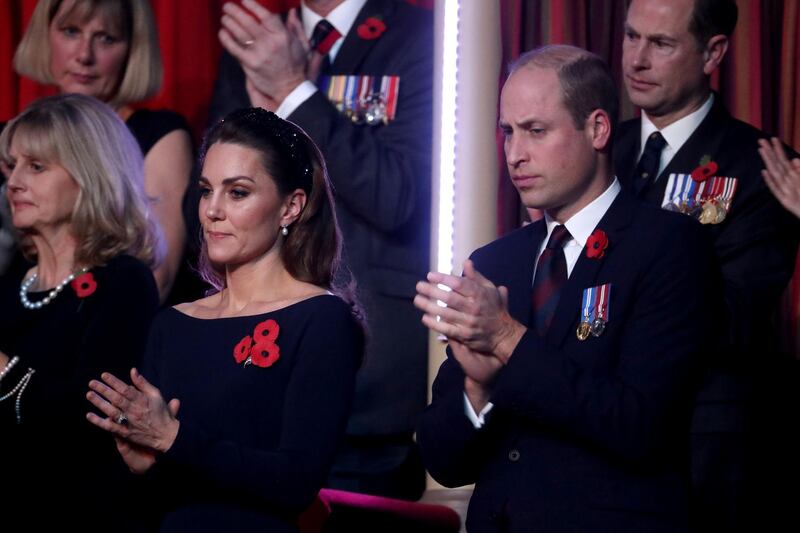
86	137
133	19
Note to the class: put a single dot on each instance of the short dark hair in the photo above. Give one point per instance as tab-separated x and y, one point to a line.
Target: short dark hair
710	18
713	17
586	80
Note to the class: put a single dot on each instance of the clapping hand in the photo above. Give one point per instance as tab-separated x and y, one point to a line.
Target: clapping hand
272	54
781	175
142	423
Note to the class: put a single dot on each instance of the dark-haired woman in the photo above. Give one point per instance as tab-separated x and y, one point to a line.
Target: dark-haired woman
261	373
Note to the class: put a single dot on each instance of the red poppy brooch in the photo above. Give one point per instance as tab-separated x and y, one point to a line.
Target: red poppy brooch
84	285
370	29
705	170
260	348
596	244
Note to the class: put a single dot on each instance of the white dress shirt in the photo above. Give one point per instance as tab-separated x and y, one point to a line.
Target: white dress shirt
676	134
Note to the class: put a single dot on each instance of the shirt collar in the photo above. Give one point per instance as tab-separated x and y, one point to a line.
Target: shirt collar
342	17
583	223
677	133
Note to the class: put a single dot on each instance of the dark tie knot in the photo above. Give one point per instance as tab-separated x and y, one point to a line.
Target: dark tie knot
655	141
558	238
323	37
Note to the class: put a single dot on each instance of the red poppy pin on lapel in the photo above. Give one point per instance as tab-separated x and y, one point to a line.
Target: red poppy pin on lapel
705	171
370	29
596	244
84	285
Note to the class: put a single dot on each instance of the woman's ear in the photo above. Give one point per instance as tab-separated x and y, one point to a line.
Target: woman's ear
293	206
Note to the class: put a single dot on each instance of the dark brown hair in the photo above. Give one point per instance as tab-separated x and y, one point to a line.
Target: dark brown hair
710	18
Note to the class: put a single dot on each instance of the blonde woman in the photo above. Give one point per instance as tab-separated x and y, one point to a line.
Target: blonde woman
109	49
75	189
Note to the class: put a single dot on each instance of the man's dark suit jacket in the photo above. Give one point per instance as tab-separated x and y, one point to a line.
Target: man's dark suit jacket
381	177
586	435
749	389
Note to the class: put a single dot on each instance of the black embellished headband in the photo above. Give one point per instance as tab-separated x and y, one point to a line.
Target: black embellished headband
287	137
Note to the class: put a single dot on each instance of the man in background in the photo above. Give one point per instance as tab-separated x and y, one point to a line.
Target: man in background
687	154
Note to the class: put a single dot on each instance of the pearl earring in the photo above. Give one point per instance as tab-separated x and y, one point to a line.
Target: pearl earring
284	231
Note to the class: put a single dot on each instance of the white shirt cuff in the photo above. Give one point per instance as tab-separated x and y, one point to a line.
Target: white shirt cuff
300	94
478	419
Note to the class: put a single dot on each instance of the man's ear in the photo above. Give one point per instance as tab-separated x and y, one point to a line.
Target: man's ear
714	53
598	128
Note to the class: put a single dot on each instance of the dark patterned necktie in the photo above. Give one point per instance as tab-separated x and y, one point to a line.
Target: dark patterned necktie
551	275
323	37
647	168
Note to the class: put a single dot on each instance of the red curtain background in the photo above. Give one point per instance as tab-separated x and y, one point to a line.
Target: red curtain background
187	34
759	80
187	31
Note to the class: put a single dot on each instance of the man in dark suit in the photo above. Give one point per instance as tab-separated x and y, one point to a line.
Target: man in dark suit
369	111
573	355
686	153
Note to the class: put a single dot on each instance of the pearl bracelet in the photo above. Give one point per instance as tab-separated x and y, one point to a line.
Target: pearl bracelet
18	389
14	360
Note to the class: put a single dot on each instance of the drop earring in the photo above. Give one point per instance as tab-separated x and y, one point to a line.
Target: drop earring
284	231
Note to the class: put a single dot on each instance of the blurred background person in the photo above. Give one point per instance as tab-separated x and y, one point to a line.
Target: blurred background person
378	150
109	49
264	368
75	188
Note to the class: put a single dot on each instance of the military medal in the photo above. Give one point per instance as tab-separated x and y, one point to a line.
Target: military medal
374	109
708	213
584	329
721	214
370	100
601	309
595	307
707	200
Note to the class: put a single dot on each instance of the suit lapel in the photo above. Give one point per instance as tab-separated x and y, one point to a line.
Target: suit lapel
708	135
519	301
584	275
354	49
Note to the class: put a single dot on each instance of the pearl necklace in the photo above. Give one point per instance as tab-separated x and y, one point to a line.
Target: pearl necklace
23	290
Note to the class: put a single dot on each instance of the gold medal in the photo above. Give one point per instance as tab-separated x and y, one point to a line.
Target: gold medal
584	330
709	213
